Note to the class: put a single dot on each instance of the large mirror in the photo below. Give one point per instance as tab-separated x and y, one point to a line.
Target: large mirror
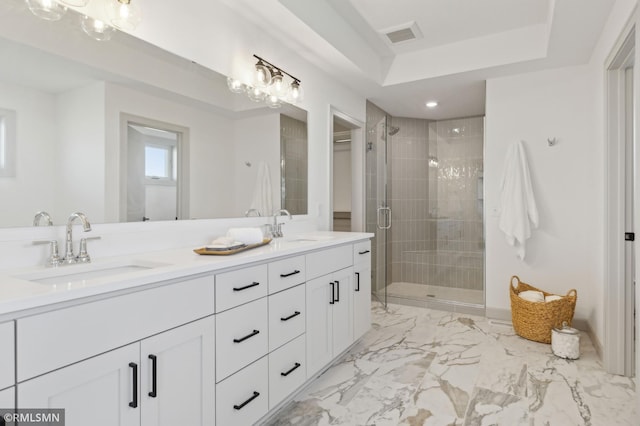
124	131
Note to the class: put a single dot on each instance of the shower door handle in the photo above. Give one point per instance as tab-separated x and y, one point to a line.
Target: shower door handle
387	215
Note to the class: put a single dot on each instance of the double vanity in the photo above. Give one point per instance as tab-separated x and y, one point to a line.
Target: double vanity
171	337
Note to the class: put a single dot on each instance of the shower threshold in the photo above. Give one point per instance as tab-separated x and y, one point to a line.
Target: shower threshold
437	297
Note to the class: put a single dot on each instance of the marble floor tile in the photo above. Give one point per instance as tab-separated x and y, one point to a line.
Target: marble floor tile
425	367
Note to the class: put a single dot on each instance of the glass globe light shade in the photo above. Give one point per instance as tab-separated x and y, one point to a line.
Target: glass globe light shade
278	86
273	101
256	94
75	3
96	29
49	10
295	92
124	14
234	85
262	75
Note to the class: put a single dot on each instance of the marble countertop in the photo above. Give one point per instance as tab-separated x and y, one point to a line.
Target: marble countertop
20	292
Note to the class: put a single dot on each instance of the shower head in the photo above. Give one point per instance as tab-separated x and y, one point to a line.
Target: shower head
393	130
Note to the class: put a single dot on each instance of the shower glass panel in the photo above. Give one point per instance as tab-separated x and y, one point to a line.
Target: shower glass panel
437	239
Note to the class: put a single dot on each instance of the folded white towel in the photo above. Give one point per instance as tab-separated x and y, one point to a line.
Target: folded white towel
552	297
532	295
246	235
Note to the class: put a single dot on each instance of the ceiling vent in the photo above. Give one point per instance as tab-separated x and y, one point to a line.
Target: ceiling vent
402	33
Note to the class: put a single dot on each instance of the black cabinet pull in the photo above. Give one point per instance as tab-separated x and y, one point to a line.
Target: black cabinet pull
333	293
289	274
253	284
286	373
364	252
295	314
134	367
154	376
255	395
247	336
338	291
358	281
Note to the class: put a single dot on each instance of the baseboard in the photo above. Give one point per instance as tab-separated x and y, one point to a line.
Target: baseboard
596	342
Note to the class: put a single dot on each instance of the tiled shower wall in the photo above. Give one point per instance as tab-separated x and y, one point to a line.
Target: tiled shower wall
436	198
293	149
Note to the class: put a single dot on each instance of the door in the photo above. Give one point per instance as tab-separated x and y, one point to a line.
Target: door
379	218
101	391
319	324
178	377
342	315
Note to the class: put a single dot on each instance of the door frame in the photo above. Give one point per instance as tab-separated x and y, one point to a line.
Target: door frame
618	320
358	200
183	184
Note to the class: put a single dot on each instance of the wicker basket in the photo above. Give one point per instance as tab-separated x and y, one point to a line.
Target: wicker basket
534	320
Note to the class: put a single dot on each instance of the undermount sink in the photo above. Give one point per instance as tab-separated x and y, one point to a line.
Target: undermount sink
78	274
308	238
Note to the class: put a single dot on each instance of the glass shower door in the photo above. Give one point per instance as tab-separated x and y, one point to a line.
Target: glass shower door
379	217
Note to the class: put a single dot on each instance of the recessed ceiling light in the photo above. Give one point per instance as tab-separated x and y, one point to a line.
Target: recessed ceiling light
432	104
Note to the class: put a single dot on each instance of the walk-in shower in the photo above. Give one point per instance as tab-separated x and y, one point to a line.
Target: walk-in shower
425	205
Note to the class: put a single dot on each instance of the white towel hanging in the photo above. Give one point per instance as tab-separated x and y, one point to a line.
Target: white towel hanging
518	211
262	198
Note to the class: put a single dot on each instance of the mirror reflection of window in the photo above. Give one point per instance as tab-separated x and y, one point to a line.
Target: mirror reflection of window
159	161
7	142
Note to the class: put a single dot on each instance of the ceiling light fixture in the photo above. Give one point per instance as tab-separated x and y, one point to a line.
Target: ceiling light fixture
269	85
432	104
121	14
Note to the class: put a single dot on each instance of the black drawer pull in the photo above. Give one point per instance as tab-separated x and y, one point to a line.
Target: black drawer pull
255	395
134	367
338	291
154	376
333	293
253	284
246	337
358	281
286	373
290	316
289	274
364	252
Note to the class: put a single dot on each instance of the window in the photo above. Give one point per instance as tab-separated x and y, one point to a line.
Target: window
7	143
160	161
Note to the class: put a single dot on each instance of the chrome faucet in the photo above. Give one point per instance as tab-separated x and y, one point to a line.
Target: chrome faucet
276	228
69	257
42	215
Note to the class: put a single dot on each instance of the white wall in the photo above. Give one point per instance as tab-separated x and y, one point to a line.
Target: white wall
568	179
257	140
342	177
79	153
35	149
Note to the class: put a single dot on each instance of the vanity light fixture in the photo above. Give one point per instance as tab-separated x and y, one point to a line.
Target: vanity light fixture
96	29
122	14
49	10
269	85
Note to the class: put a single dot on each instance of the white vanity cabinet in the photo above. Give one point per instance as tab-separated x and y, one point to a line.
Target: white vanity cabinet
329	318
361	288
165	379
7	358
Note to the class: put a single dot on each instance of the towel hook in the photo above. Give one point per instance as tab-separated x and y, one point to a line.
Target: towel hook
247	163
552	142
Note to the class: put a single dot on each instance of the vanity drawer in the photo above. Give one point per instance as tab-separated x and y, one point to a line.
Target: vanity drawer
8	364
286	316
243	398
287	370
286	273
54	339
362	253
238	287
326	261
242	336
